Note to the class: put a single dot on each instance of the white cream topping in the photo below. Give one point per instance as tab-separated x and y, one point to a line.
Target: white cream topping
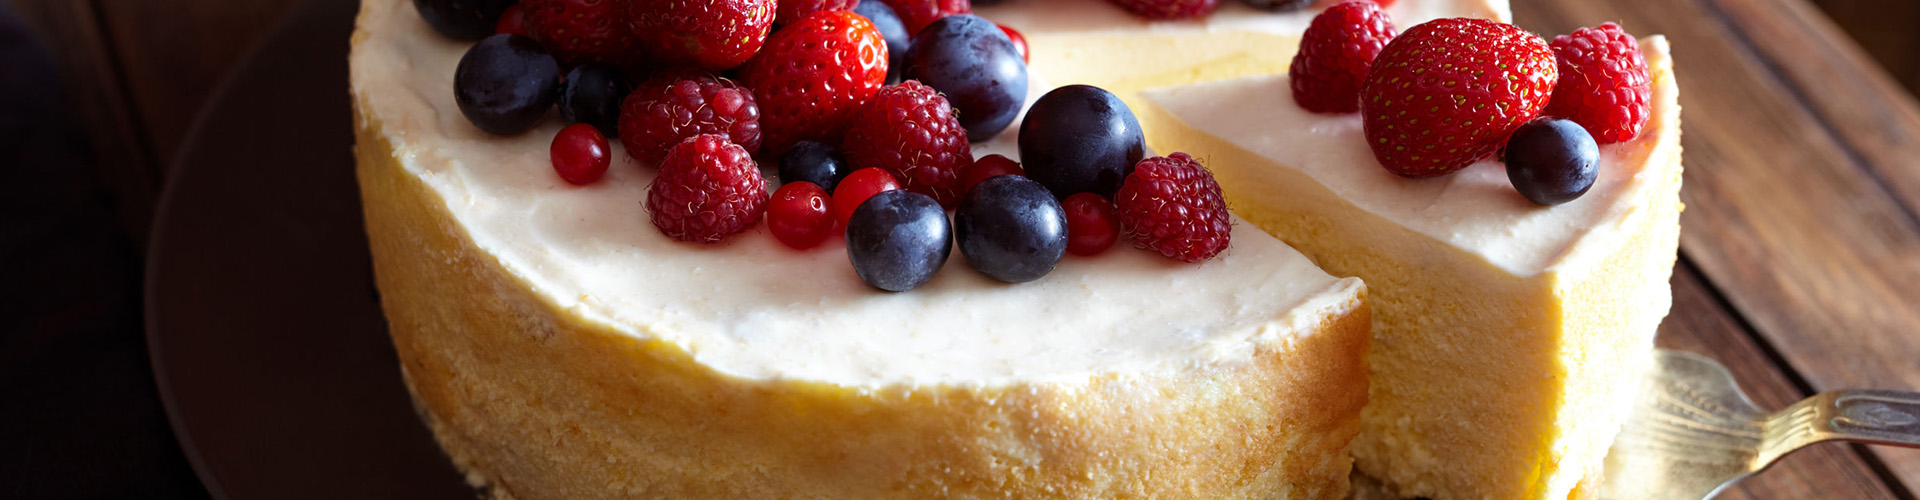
752	308
1045	17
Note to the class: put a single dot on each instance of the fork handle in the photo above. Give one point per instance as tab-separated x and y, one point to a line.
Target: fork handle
1869	416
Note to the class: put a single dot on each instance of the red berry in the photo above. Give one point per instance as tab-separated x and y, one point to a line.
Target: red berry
579	154
1448	92
712	34
856	188
666	110
800	215
1172	205
580	31
917	14
1335	53
1167	9
513	21
708	189
794	10
1604	85
1091	224
812	75
1019	41
911	131
988	166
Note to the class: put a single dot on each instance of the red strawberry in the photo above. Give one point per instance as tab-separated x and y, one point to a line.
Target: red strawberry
910	131
580	31
712	34
1172	205
794	10
1604	85
708	189
1167	9
917	14
812	75
1448	92
1335	52
670	108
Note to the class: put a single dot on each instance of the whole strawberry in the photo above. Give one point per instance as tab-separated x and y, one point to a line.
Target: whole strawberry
1167	9
794	10
708	189
909	130
1604	85
1448	92
712	34
812	75
1172	205
918	14
1335	53
580	31
673	107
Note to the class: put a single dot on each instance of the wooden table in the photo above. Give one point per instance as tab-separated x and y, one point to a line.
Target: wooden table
1801	243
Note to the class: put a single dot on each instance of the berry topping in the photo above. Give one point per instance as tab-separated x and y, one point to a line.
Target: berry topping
976	66
813	74
1335	52
910	131
1091	224
1604	85
891	29
580	154
1552	160
857	187
670	108
1279	5
917	14
580	31
592	96
505	83
708	189
1019	41
462	19
898	240
794	10
1167	9
1172	205
800	215
988	167
1449	91
817	163
513	21
1011	229
712	34
1080	139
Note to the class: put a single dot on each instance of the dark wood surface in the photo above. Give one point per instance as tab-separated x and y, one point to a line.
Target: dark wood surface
1801	239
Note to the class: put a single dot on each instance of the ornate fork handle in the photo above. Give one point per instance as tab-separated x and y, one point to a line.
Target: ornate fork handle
1860	415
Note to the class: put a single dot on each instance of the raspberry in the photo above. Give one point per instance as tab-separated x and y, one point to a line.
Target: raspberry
794	10
579	31
1335	53
1167	9
1172	205
910	131
670	108
1091	224
708	189
712	34
1604	85
1448	92
918	14
812	75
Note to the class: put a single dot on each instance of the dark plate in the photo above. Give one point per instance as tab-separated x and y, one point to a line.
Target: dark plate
264	324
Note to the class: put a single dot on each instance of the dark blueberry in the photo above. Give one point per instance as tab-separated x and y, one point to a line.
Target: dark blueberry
893	30
1009	227
1279	5
1080	139
592	96
970	60
814	162
1552	160
898	240
505	83
462	19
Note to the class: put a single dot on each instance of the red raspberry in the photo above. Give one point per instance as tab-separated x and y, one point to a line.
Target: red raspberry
1604	85
812	75
512	21
800	215
1448	92
579	154
794	10
712	34
1019	41
917	14
1167	9
708	189
1091	224
580	31
1172	205
911	131
987	167
1335	52
856	188
670	108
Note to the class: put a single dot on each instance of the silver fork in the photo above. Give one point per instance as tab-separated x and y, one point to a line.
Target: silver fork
1693	433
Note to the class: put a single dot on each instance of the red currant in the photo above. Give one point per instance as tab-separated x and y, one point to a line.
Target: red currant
513	20
580	154
799	215
1091	224
1019	41
987	167
857	187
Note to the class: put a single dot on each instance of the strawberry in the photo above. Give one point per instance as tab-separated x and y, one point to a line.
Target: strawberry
918	14
715	35
1604	85
794	10
1168	9
812	75
1448	92
579	31
1334	55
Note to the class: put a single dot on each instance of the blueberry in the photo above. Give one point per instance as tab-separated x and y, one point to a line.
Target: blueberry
898	240
970	60
592	96
1279	5
462	19
814	162
1080	139
505	83
1552	160
1009	227
893	30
